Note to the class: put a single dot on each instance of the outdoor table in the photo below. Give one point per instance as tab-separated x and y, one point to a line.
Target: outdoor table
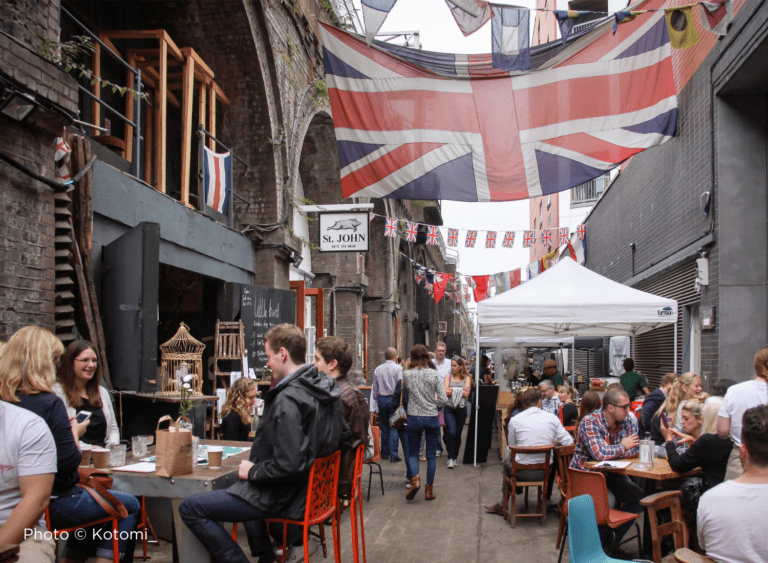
661	471
201	480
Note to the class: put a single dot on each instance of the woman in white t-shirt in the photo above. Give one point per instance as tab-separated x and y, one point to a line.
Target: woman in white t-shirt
738	399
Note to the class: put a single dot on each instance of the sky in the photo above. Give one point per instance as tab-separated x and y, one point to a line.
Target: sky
438	32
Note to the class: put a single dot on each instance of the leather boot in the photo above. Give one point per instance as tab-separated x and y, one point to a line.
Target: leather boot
415	486
428	494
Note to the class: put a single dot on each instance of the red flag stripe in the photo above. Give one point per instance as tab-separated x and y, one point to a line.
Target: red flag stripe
594	147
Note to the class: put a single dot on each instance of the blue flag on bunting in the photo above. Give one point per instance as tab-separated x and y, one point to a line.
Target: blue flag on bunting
510	34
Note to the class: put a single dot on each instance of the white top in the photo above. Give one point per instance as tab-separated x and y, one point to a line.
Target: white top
26	448
534	427
444	368
729	522
113	432
738	399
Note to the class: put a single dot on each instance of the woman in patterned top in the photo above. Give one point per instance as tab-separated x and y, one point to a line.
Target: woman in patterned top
426	396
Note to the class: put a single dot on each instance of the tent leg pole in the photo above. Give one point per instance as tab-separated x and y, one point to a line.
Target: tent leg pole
674	335
477	383
573	362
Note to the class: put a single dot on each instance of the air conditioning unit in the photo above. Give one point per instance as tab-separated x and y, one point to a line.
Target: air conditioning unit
442	326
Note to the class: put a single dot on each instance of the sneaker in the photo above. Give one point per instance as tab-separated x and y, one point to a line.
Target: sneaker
438	454
296	552
395	460
451	464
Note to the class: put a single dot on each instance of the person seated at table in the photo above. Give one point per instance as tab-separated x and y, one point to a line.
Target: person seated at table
532	427
633	383
333	357
237	412
730	514
303	420
610	433
589	403
28	459
551	403
531	377
486	376
653	401
552	374
720	388
27	370
685	387
569	410
77	384
514	408
707	450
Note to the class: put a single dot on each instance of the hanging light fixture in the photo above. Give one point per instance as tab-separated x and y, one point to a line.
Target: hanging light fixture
18	106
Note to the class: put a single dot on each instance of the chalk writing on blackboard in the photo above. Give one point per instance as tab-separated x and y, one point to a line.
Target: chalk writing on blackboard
261	309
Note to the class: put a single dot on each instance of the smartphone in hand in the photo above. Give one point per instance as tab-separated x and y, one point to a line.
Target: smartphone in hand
665	420
82	416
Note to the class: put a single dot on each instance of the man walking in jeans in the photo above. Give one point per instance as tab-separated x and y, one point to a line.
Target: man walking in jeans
385	377
303	420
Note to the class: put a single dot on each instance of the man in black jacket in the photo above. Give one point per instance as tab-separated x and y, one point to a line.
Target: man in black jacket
303	420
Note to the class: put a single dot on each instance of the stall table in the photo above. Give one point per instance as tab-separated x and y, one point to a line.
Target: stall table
201	480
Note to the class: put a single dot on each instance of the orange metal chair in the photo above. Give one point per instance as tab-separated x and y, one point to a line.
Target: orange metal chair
564	455
357	504
510	483
376	432
322	503
56	532
146	525
593	483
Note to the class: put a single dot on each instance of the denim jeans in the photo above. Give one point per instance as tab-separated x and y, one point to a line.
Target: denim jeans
202	514
429	425
454	425
388	436
80	508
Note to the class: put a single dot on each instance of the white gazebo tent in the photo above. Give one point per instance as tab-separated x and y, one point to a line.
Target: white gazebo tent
569	300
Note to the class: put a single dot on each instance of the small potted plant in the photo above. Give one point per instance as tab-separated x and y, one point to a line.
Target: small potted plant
186	404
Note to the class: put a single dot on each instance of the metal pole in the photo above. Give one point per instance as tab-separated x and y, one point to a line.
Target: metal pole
477	381
674	335
573	362
137	129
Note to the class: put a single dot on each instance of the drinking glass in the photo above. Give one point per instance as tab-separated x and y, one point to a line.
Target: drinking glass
117	455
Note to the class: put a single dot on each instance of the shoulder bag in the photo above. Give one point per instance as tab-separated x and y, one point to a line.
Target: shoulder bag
97	482
398	419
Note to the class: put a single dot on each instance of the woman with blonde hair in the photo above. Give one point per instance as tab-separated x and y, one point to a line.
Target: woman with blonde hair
237	412
28	371
685	387
738	399
77	384
707	450
458	385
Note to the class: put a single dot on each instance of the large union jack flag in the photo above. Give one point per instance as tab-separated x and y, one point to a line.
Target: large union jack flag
471	238
528	239
433	235
509	239
453	237
390	229
412	124
411	230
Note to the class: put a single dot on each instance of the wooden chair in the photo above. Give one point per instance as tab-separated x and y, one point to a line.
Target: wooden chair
113	521
564	455
356	503
376	432
593	483
511	483
676	527
685	555
322	503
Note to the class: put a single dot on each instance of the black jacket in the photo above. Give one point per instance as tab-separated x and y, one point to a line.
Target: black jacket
303	420
650	406
709	451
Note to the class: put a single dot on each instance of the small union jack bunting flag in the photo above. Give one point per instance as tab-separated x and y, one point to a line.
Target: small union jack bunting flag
490	239
546	237
390	229
453	237
581	231
433	235
471	238
564	236
411	230
419	277
528	239
370	216
509	239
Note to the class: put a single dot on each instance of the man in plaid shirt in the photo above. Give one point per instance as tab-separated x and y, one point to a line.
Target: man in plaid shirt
610	433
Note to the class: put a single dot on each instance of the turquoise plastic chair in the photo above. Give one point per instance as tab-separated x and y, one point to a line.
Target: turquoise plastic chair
583	538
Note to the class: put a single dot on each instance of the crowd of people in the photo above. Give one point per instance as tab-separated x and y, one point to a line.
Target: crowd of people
315	410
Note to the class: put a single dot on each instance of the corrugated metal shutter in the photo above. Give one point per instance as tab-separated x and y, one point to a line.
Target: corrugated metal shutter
654	350
591	363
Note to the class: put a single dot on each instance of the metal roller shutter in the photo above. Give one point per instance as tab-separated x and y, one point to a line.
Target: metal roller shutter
654	350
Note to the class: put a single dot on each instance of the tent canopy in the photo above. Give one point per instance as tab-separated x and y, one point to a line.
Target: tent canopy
571	300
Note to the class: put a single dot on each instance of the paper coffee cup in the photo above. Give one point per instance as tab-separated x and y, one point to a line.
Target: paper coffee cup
86	460
214	456
100	458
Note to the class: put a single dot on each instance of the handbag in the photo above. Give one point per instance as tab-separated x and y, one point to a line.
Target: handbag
397	420
97	483
692	488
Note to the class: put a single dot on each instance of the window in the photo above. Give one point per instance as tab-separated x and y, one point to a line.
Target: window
589	192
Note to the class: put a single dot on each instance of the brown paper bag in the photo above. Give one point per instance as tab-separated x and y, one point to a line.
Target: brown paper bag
173	450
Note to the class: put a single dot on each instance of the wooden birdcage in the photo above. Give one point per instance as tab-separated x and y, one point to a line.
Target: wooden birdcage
182	355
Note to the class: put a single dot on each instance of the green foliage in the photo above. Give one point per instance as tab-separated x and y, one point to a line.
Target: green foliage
321	98
291	46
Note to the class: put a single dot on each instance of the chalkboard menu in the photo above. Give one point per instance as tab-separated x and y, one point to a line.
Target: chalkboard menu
260	309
